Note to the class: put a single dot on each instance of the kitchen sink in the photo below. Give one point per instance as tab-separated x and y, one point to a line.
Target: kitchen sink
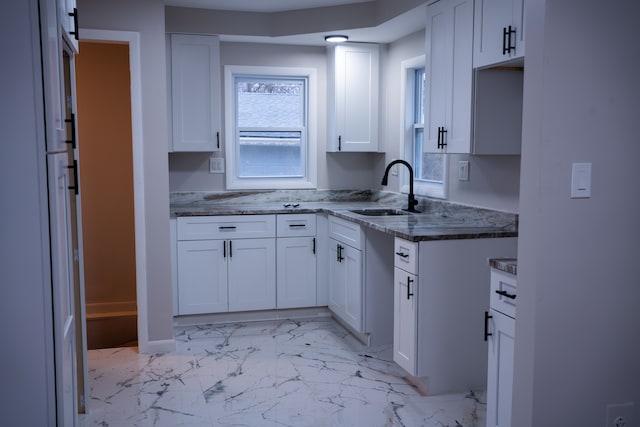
379	212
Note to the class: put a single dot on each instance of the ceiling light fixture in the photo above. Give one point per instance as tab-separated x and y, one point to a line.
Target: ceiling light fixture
336	38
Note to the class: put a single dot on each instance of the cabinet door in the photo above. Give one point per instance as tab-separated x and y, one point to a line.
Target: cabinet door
354	98
492	19
500	370
69	22
449	74
337	290
296	273
353	287
252	274
195	92
202	277
405	318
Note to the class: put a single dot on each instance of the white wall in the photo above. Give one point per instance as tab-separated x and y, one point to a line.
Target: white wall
190	171
578	323
147	18
25	272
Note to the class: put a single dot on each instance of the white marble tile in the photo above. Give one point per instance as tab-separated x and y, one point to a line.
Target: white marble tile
276	373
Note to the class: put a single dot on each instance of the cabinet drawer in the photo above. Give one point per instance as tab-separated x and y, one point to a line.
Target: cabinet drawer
226	227
346	232
296	225
406	255
503	292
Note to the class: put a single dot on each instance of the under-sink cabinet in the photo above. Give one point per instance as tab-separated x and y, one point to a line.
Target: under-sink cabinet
440	292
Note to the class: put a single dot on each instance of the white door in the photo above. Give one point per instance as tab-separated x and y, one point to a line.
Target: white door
500	370
296	273
252	274
353	286
202	276
63	289
405	318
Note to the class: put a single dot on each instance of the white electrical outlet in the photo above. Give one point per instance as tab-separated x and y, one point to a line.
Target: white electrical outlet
620	415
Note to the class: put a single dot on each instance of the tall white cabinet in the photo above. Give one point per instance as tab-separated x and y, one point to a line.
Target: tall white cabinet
353	81
449	76
195	92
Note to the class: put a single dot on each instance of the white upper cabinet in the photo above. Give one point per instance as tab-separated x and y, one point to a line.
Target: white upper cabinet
498	31
449	74
195	93
353	83
68	13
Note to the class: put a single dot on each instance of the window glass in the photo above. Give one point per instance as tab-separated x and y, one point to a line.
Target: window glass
270	131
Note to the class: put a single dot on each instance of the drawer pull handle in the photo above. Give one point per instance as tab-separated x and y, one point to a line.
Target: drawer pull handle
409	282
227	227
506	294
297	225
402	255
487	334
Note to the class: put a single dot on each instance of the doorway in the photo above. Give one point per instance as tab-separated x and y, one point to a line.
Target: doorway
105	131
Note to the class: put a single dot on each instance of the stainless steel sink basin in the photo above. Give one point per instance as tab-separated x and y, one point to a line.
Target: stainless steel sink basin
379	212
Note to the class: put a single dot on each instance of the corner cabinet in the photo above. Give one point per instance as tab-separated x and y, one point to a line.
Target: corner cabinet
195	93
498	31
449	76
353	87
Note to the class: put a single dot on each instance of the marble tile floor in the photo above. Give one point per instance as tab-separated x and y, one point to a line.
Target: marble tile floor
274	373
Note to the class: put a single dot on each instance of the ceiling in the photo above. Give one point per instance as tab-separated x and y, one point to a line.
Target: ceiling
387	32
260	5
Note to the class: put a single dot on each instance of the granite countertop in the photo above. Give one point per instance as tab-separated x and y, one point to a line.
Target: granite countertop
508	265
438	220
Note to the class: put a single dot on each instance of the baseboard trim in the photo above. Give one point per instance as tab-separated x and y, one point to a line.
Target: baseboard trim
251	316
157	347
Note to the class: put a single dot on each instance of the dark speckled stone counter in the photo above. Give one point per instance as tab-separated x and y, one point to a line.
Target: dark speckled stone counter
438	220
508	265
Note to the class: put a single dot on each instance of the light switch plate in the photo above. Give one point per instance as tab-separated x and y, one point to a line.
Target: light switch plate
463	170
216	165
580	180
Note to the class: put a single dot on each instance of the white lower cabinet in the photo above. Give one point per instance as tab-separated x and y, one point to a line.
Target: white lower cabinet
296	272
251	274
405	319
345	283
244	263
226	263
202	277
500	369
500	334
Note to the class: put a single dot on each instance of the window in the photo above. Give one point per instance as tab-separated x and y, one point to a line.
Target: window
271	131
429	169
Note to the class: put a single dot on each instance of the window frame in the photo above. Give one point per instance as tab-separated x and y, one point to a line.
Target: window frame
408	105
309	151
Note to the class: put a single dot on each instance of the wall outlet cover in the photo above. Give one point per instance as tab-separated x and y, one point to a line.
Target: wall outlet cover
620	415
216	165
